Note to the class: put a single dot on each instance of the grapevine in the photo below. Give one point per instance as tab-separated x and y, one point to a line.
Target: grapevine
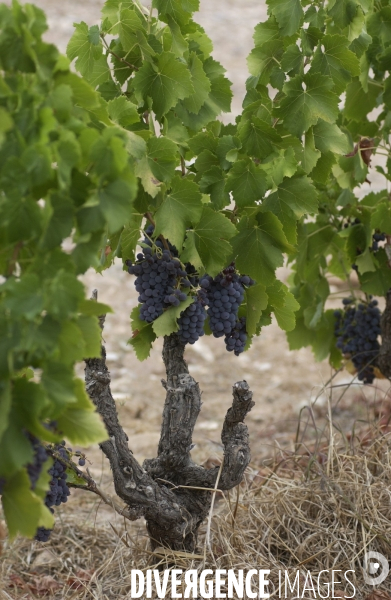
89	150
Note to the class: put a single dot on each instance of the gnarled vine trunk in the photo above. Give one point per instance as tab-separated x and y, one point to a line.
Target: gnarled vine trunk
162	489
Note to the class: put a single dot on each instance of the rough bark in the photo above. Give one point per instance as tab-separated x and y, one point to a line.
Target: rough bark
384	359
162	490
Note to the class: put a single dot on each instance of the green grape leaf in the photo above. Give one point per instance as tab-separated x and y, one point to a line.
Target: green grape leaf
247	182
179	44
359	103
132	31
115	201
166	81
23	509
122	111
6	123
333	58
179	10
207	244
323	167
258	248
162	158
285	315
213	182
294	198
292	60
167	322
130	236
379	24
24	296
82	427
91	335
200	82
258	137
85	45
280	164
344	12
377	282
83	94
365	262
329	138
256	301
288	14
142	340
310	154
303	106
381	218
92	308
5	405
266	31
180	209
263	59
58	383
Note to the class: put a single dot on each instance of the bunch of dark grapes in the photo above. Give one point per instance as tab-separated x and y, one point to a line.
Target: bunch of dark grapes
157	276
40	457
191	320
357	329
192	275
224	295
58	490
236	340
377	237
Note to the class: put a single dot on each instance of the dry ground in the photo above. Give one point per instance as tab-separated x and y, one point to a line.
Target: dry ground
84	547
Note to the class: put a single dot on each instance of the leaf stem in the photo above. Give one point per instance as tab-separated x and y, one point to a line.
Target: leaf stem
117	56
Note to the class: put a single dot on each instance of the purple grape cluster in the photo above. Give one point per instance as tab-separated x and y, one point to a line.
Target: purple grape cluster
192	319
40	457
376	238
157	278
58	491
236	340
192	275
224	295
357	329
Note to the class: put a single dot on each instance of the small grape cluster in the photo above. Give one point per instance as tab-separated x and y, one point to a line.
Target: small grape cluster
377	237
157	276
224	295
58	491
357	329
40	457
236	340
192	319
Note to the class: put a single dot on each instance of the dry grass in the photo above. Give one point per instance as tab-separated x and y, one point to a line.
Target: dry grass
319	507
